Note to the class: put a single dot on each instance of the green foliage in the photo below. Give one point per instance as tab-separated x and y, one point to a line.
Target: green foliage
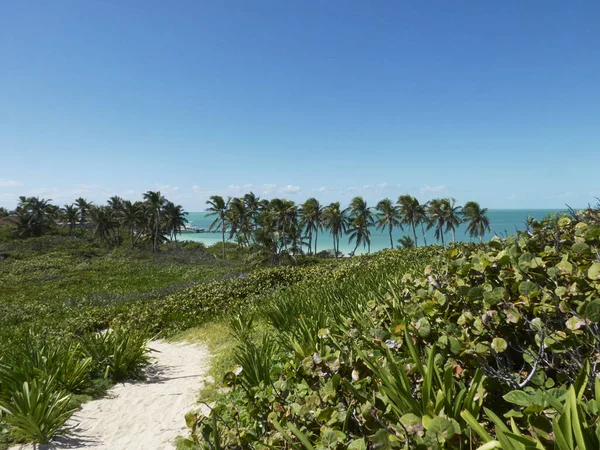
477	346
36	411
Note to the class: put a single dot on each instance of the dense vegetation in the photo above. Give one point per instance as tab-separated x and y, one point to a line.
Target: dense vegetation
473	346
489	346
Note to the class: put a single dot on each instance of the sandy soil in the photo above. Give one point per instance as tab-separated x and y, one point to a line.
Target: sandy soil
142	415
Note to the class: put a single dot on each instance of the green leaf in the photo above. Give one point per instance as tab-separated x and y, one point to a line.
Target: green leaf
423	327
499	345
518	397
528	289
594	272
357	444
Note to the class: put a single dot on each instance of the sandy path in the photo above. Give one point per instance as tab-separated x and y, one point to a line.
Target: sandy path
142	415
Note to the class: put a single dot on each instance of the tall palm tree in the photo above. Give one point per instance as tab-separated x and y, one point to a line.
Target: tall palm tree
388	216
239	220
70	215
132	216
312	218
336	221
103	220
478	220
218	207
436	217
155	201
174	219
412	214
453	216
83	205
360	233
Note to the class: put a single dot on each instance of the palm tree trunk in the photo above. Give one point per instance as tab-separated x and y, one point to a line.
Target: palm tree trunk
453	236
223	237
310	241
132	241
156	223
415	234
391	240
443	243
424	237
335	247
316	239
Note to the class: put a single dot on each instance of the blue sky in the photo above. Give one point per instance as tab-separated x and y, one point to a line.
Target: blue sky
493	101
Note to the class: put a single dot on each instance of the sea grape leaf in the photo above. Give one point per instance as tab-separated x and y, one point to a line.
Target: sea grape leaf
499	345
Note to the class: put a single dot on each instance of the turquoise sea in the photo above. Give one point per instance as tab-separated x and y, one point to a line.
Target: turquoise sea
502	223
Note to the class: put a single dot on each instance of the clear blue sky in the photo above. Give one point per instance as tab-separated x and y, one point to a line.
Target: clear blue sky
496	101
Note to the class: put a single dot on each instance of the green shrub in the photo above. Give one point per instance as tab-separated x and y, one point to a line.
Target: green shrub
120	353
36	411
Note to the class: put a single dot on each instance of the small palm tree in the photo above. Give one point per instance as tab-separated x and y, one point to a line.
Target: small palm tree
336	221
155	201
36	215
388	216
70	215
478	220
218	207
3	212
406	242
174	219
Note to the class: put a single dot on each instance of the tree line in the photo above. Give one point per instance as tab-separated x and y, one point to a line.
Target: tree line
274	228
154	220
281	226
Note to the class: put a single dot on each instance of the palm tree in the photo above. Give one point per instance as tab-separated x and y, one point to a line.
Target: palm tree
83	205
239	221
174	219
3	212
453	219
388	216
132	216
218	207
406	242
411	213
155	201
312	219
478	220
336	221
359	232
436	217
70	215
36	215
104	221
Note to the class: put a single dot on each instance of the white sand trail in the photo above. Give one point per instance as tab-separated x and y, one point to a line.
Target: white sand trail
144	415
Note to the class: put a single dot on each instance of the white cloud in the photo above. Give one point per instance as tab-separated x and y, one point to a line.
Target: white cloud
266	188
323	189
432	189
511	197
289	189
9	183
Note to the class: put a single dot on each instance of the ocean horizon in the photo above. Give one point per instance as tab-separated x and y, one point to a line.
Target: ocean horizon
503	222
